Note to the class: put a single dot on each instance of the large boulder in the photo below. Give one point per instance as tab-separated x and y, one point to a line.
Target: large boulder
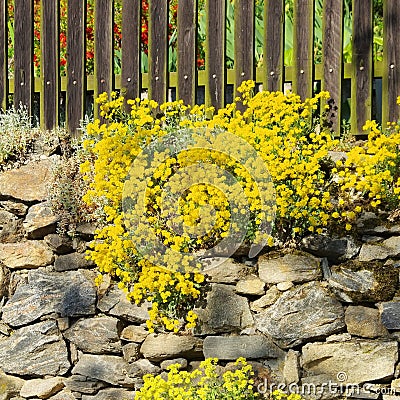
35	350
358	362
300	314
292	267
70	294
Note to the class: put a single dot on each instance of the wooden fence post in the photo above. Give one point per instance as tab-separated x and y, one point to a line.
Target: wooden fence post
103	53
130	64
332	28
215	53
303	51
361	82
273	45
23	54
49	69
76	74
187	30
391	61
158	50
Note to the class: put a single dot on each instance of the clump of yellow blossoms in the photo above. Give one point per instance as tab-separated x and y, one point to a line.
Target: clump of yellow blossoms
151	229
201	384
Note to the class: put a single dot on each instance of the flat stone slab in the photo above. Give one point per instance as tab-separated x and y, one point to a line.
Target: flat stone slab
28	183
380	251
42	388
233	347
69	294
35	350
26	255
300	314
40	221
361	361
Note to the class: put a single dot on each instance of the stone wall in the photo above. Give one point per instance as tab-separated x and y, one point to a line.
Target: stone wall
325	314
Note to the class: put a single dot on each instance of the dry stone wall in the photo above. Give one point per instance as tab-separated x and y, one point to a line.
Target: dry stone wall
324	317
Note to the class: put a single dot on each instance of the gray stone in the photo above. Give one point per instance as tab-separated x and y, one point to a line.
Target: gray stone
334	249
339	337
167	363
72	261
268	299
4	281
9	386
60	244
83	384
35	350
95	335
366	222
28	183
111	394
18	209
142	367
380	251
233	347
163	346
134	333
226	271
390	314
293	267
362	361
251	285
131	352
63	395
24	255
302	313
225	311
110	369
69	294
291	368
115	303
86	230
42	388
40	221
356	281
364	322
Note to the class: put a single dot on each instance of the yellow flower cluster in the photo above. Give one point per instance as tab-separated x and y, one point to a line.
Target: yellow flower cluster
170	185
203	383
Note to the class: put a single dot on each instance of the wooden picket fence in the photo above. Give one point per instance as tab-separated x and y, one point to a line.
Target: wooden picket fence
303	74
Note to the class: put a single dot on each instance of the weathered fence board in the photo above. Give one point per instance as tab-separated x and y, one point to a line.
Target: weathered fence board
76	76
103	48
50	76
274	45
23	54
215	53
391	73
244	41
361	83
158	50
332	58
130	63
3	56
303	47
186	89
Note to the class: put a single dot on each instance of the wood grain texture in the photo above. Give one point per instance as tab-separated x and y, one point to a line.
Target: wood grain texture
215	53
244	41
273	45
23	54
130	64
103	49
361	84
391	61
303	51
76	75
158	50
50	76
187	30
3	55
332	26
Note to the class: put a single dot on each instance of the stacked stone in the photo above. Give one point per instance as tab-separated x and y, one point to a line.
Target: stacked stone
328	312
